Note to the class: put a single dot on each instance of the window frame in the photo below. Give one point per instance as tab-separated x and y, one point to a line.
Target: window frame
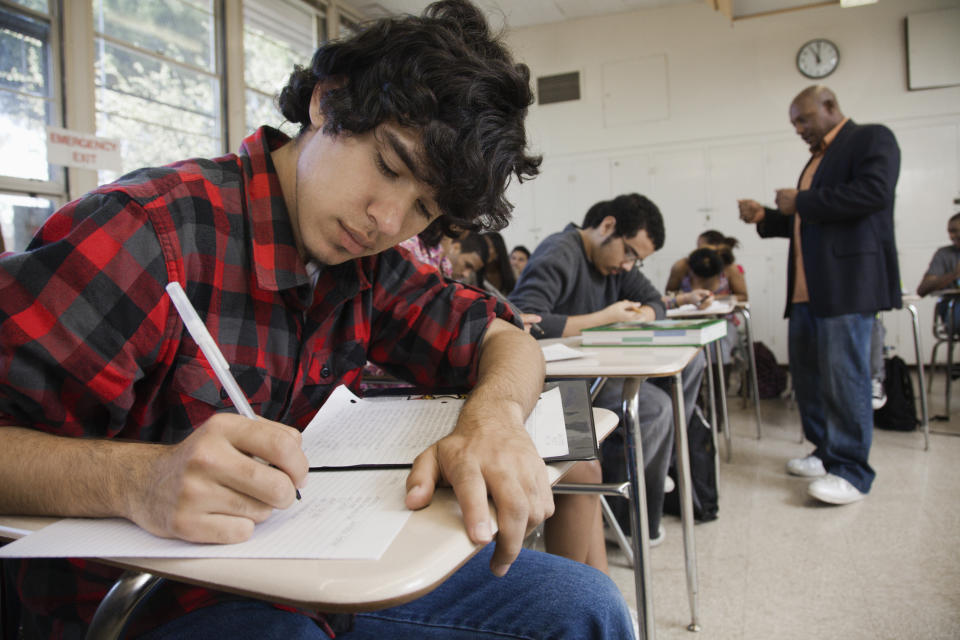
56	187
320	11
71	80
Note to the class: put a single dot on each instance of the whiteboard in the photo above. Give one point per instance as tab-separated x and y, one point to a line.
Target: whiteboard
933	49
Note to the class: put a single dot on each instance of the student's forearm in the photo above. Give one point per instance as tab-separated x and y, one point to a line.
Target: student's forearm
930	284
616	312
576	324
207	488
511	368
44	474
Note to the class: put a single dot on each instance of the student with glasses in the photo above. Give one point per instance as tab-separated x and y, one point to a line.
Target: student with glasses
589	276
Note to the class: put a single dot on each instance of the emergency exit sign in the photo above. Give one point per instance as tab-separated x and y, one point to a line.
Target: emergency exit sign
82	150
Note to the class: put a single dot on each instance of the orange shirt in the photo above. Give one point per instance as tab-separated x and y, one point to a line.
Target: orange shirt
800	293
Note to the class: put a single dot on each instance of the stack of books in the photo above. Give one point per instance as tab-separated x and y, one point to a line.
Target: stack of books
658	333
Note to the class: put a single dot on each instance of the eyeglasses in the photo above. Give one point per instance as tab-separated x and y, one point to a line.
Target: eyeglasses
630	255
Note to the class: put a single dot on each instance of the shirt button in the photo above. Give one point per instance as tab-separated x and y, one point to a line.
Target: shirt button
325	372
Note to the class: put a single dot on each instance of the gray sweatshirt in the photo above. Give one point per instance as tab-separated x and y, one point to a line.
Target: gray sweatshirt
559	281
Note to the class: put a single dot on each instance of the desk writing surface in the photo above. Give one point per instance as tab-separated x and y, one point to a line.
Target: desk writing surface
431	546
719	307
652	362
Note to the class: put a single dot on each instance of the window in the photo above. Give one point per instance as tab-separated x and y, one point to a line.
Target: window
156	80
29	95
156	84
26	96
20	217
276	36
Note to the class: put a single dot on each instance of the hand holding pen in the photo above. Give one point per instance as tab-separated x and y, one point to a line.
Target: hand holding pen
248	444
700	298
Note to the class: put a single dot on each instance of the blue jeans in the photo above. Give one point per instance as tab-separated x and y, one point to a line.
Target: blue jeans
830	367
542	596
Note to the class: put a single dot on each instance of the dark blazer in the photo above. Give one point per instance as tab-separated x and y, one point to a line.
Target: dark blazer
846	225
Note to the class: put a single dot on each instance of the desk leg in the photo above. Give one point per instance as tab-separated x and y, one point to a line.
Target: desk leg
727	427
923	391
950	330
116	609
752	365
713	418
686	497
638	513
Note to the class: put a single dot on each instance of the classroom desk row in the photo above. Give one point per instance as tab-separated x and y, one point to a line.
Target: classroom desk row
431	546
634	365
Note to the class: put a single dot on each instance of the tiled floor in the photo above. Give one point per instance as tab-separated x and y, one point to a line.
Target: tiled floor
777	564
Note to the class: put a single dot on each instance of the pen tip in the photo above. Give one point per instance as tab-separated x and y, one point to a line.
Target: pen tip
299	497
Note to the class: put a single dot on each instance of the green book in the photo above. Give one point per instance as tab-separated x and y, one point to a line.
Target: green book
692	332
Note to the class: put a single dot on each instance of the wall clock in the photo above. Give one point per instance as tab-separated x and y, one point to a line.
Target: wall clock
818	58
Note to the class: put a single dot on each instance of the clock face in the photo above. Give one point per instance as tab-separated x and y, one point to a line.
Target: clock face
818	58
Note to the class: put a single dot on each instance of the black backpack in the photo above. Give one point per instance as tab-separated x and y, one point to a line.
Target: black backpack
900	411
702	472
771	378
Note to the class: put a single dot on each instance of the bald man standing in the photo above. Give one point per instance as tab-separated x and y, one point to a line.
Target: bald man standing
841	271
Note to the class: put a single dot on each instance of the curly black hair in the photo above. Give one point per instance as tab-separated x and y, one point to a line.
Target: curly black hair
633	212
446	76
705	263
726	244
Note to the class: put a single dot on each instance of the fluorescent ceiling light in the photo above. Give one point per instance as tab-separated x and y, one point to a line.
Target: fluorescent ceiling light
855	3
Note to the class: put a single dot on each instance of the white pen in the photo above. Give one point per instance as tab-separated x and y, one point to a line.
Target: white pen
212	352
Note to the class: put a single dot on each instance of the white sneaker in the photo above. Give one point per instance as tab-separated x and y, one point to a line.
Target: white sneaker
661	535
668	485
879	394
834	490
809	467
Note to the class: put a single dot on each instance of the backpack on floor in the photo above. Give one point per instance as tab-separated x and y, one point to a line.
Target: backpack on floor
702	472
771	378
900	411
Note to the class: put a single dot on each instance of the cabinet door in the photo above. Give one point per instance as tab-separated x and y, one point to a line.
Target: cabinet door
734	172
631	174
929	181
679	190
566	188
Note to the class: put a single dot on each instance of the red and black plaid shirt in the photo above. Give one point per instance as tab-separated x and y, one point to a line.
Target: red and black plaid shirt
90	345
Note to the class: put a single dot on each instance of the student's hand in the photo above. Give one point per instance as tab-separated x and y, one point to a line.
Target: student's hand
702	298
787	201
209	489
628	311
488	452
529	320
750	210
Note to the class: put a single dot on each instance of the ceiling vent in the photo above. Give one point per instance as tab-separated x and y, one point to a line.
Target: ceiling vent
558	88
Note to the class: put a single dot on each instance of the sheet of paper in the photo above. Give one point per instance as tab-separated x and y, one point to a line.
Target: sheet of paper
560	351
351	514
343	514
349	430
543	423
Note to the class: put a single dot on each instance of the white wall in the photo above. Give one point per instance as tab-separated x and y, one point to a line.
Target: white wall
706	122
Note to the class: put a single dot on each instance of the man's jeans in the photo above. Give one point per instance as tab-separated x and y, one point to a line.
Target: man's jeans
542	596
830	367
